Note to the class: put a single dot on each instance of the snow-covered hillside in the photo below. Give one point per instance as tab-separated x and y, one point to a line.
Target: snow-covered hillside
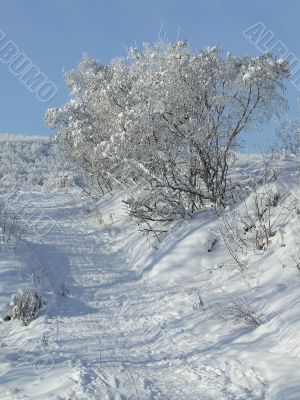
211	312
32	161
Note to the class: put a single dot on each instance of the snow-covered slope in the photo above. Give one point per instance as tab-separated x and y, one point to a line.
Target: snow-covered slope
32	162
123	320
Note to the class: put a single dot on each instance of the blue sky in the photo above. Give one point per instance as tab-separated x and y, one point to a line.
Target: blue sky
55	33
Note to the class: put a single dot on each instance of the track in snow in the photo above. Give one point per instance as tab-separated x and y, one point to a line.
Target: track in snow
119	336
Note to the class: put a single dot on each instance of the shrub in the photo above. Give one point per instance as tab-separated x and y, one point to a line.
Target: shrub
166	121
11	229
25	305
240	311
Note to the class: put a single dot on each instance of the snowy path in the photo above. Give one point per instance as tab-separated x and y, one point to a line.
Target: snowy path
118	336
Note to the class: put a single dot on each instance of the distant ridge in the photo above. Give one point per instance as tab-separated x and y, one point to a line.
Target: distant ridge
21	137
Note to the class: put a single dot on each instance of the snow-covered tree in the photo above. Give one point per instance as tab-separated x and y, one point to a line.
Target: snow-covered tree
289	136
166	120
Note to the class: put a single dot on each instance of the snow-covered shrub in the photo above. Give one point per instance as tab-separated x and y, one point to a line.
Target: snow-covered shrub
166	121
11	228
252	224
289	137
295	259
64	291
25	305
240	311
261	220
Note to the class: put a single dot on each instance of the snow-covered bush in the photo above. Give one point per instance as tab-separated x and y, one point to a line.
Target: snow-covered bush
25	305
11	228
289	137
240	311
166	121
253	224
